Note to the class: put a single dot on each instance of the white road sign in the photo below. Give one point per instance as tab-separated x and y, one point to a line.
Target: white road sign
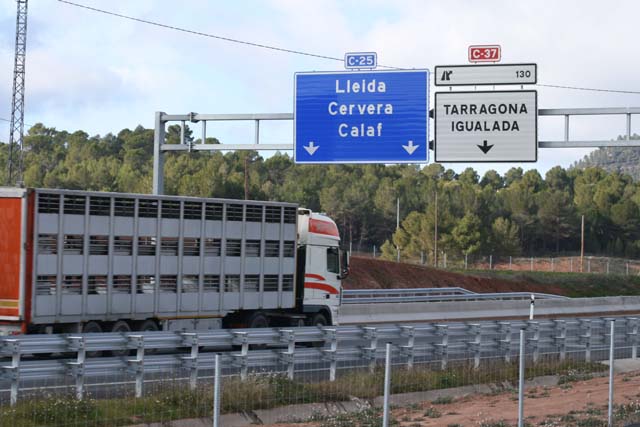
472	75
498	126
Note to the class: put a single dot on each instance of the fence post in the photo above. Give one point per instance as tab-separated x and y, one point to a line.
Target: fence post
466	261
571	265
531	263
552	266
521	382
421	257
627	266
445	260
612	339
510	262
490	262
374	251
216	392
387	386
607	265
589	265
13	370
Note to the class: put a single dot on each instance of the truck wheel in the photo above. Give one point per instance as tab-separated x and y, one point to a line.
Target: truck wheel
258	320
120	326
92	328
319	319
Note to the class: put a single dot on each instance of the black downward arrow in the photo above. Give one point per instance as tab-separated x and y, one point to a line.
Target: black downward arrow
484	147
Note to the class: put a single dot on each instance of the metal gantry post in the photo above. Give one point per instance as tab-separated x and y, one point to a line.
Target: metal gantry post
158	154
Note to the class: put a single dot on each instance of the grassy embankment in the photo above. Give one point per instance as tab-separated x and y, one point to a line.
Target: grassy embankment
171	401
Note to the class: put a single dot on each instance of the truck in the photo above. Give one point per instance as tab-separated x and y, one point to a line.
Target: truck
81	261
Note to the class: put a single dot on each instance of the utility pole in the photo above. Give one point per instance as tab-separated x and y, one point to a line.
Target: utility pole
398	225
246	178
435	233
582	247
16	128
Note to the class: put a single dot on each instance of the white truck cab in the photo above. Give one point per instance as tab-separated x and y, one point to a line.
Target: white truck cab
322	266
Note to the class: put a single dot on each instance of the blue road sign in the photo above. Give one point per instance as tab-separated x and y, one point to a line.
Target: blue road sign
360	60
362	117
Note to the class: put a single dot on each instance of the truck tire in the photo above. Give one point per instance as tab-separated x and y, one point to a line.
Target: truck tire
258	320
319	319
92	328
120	326
148	326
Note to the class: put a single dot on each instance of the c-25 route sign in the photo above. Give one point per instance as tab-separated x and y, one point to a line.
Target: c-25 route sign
361	117
497	126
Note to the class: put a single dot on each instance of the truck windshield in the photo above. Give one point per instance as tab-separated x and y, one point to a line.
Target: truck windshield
333	261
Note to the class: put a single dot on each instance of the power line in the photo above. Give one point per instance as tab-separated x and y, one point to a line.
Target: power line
9	121
296	52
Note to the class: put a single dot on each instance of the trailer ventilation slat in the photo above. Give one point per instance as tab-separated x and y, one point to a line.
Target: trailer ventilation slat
121	284
72	285
46	285
47	244
124	207
74	205
98	245
123	245
97	285
252	248
192	210
147	208
48	203
211	283
232	283
189	283
290	215
212	247
273	214
99	206
73	244
146	246
169	246
191	246
146	284
272	248
171	209
213	211
254	213
168	283
289	249
234	212
251	283
287	283
234	247
271	283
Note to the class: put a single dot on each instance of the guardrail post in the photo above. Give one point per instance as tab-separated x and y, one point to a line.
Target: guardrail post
442	348
633	335
560	338
12	372
136	365
504	344
475	330
407	350
369	353
330	354
76	369
240	359
288	336
190	339
535	340
586	338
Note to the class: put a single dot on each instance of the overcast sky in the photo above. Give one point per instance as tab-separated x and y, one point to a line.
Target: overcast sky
101	74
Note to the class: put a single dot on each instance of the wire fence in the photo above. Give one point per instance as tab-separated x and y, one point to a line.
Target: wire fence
560	264
452	379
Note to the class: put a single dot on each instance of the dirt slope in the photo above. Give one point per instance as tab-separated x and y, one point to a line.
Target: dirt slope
368	273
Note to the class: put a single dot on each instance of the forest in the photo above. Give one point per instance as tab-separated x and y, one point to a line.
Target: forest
518	213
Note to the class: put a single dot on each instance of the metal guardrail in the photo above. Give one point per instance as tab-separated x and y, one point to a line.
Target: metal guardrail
372	296
345	346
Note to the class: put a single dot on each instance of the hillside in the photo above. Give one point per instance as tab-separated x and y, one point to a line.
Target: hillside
614	159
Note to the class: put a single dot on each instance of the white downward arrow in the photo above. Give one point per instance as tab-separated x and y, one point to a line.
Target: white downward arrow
410	148
311	148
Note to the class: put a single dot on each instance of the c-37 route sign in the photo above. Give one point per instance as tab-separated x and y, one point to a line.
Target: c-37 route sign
361	117
496	126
